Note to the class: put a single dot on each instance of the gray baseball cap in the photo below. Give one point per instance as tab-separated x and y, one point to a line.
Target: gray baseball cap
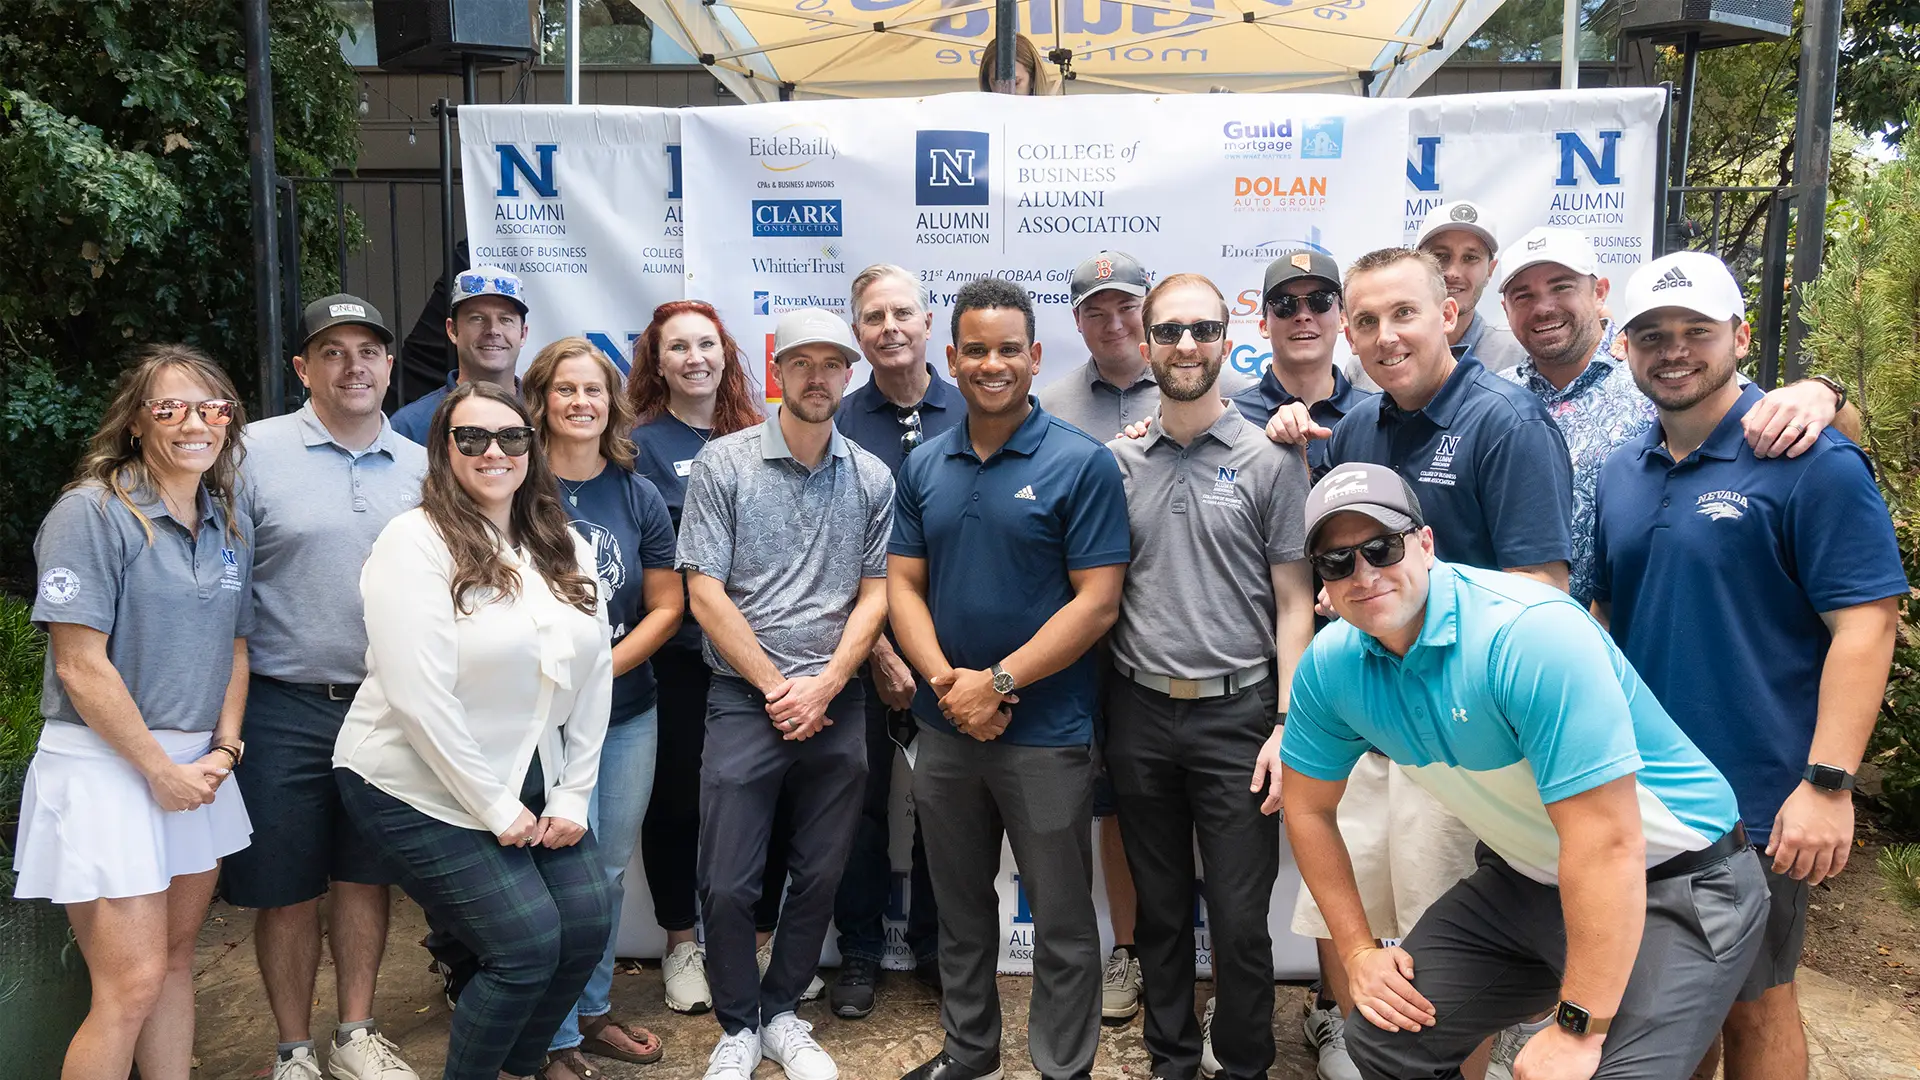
1300	263
1374	490
1115	270
812	326
341	309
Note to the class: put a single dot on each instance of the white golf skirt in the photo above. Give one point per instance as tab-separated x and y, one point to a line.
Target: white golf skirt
89	828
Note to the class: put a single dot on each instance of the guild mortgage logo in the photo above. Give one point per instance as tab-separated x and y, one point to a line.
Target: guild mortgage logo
792	147
950	168
796	217
1265	138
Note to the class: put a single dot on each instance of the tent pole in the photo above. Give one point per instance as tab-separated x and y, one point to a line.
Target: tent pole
573	52
1570	44
1004	21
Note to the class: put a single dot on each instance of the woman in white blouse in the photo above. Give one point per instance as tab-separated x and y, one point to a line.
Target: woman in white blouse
474	743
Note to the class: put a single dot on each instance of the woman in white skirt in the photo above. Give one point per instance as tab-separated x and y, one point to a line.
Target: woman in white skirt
144	588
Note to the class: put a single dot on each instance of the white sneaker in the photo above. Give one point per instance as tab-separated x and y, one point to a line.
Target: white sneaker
685	973
1209	1065
788	1040
1120	987
1327	1034
1506	1047
764	957
301	1066
735	1057
368	1055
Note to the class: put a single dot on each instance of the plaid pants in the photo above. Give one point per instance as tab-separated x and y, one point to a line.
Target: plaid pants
537	918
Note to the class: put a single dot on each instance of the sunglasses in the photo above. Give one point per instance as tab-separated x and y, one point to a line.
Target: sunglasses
171	411
1205	332
473	441
1320	301
1380	552
911	434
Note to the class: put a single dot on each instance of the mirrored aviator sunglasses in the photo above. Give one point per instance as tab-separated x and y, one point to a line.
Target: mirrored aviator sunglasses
1380	552
911	434
170	412
473	441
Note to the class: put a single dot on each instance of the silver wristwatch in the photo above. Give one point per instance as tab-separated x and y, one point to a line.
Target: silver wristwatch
1002	682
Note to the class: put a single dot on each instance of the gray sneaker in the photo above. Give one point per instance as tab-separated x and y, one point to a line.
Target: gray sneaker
1327	1034
1120	988
1506	1047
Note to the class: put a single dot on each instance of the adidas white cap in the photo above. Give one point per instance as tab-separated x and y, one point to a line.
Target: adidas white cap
1561	247
1693	280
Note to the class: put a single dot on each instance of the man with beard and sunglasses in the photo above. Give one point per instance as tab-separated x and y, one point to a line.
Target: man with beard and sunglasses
1615	884
903	404
783	543
1217	608
1760	598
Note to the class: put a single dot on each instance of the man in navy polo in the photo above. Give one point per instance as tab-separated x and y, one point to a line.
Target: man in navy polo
1758	597
1009	550
902	404
487	323
1301	318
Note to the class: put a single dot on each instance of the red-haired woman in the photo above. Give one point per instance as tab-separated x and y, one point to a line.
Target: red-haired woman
688	384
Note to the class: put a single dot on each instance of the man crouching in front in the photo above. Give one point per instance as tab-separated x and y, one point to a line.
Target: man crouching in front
1614	876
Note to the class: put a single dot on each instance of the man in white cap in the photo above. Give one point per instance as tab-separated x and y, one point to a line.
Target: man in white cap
783	543
1759	599
487	323
1459	235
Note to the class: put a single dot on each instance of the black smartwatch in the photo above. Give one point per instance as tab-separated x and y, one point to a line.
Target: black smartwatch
1839	389
1828	777
1579	1021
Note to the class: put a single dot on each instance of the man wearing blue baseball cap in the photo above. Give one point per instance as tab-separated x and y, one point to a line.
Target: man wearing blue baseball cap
487	323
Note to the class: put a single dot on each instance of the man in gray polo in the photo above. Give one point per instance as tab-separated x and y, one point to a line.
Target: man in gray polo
1217	591
783	543
1460	237
1114	387
319	485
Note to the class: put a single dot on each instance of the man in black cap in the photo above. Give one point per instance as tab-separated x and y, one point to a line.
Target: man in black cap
319	484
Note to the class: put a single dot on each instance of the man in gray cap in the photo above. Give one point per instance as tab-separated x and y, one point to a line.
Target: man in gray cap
1113	388
319	484
487	323
1459	235
783	543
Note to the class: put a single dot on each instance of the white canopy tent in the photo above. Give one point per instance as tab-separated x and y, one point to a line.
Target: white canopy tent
770	50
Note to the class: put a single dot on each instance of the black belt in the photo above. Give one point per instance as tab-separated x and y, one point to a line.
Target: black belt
1687	862
332	691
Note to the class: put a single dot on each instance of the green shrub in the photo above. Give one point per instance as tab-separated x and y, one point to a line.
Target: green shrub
23	653
1900	869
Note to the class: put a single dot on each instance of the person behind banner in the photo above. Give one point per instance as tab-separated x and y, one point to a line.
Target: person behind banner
473	745
487	323
1615	883
1030	77
576	401
1008	553
688	386
144	566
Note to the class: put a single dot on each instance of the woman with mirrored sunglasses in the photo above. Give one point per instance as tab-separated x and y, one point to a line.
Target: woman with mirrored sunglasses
145	574
473	745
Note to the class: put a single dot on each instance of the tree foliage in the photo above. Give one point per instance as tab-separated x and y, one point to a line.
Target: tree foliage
1880	64
124	204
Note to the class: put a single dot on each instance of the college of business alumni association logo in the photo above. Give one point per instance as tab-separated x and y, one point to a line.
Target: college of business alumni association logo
950	168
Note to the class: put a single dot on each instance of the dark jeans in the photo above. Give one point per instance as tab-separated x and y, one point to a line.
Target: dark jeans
747	771
1181	770
670	838
860	907
537	919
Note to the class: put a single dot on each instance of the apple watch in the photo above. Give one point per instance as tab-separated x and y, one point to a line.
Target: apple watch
1839	389
1828	777
1579	1021
1002	682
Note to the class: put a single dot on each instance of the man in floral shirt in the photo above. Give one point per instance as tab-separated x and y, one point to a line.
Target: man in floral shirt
1555	303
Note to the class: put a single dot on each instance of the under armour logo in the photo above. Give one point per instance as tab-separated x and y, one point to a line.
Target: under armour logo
1459	715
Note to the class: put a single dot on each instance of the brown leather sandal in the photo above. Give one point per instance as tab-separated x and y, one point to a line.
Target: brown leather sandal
592	1026
568	1065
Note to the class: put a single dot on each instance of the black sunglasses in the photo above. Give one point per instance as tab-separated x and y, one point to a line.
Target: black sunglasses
912	434
1205	332
1320	301
1381	551
473	441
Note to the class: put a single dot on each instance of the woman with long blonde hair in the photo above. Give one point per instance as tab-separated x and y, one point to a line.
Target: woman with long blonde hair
145	574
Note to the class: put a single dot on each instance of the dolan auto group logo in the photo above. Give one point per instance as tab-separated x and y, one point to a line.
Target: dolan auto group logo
796	217
950	168
1279	193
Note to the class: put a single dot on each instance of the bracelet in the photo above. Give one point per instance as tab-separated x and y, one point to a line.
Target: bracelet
232	754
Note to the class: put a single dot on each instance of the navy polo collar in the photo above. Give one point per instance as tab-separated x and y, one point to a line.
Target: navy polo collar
940	394
1445	404
1026	438
1727	438
1344	396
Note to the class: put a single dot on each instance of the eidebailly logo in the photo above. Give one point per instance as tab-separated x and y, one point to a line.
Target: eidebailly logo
796	217
950	168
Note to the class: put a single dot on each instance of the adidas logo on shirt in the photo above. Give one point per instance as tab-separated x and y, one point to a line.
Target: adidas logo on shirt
1025	493
1672	279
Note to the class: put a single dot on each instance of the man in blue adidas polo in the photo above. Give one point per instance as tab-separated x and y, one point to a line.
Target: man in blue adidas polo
1759	597
1614	877
1009	549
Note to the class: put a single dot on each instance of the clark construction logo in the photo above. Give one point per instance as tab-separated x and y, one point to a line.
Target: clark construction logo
796	217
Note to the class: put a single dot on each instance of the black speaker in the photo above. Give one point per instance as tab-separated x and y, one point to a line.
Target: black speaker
434	35
1718	22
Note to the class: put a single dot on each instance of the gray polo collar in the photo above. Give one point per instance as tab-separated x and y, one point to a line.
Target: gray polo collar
1227	429
153	506
773	442
1094	378
315	433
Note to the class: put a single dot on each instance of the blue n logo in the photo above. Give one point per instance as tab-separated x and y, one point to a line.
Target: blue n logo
515	166
1605	170
622	358
1425	176
673	170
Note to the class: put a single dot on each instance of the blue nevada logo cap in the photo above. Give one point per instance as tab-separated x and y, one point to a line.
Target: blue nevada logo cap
488	281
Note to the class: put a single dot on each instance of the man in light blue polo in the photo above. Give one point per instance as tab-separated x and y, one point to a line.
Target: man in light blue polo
1615	881
1760	596
319	485
487	323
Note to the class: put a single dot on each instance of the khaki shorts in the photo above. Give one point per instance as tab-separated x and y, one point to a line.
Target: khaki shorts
1407	849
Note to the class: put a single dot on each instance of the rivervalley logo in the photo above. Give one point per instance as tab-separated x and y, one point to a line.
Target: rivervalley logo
950	168
796	217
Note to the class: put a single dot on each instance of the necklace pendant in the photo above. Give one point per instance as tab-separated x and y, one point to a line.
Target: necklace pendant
572	498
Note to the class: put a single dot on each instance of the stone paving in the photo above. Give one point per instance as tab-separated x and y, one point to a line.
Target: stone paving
1855	1035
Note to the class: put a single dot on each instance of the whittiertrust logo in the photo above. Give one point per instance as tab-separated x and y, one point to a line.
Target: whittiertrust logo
1672	279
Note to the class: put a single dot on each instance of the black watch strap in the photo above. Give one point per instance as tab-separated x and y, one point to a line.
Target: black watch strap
1828	777
1839	389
